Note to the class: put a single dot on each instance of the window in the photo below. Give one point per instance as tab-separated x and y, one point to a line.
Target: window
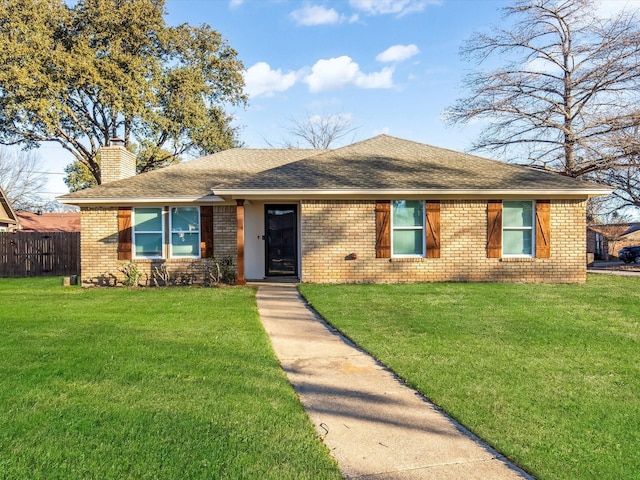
148	232
407	228
517	228
185	231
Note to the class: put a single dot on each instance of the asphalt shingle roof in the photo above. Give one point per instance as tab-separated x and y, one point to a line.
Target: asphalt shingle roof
389	163
378	164
193	179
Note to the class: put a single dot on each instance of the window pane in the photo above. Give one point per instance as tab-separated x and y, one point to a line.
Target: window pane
408	242
185	244
516	242
148	219
148	244
517	214
185	219
408	213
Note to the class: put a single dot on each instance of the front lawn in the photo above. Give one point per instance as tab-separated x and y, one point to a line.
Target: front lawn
547	374
151	383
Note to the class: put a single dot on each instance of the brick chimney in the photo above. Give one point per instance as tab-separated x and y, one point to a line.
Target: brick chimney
116	162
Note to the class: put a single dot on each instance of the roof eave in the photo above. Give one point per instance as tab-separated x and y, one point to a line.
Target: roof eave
9	221
425	193
339	194
138	200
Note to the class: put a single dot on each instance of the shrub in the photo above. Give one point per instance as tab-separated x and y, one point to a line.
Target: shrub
132	274
219	271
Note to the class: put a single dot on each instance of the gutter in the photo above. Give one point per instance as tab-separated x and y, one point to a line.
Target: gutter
138	200
342	194
407	193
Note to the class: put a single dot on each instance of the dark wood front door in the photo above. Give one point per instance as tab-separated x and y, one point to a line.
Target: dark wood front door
281	224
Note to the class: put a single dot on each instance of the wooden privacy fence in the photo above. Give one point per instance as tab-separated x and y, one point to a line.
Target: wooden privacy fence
34	254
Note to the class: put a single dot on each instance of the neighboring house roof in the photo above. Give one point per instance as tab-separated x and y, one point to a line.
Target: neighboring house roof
8	217
49	222
633	227
610	230
382	165
632	234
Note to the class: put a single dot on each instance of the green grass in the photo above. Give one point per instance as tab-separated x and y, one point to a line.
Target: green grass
547	374
150	383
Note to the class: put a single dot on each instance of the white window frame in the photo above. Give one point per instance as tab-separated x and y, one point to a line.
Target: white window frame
133	233
414	228
172	231
530	228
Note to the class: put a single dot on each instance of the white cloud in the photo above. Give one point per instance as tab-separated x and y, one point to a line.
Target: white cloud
315	15
381	79
235	3
311	15
261	79
398	53
386	7
336	73
331	74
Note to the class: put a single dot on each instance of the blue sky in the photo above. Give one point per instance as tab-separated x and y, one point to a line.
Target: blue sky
389	66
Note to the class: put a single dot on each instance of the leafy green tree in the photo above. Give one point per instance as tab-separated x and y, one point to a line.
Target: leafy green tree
82	75
78	176
148	157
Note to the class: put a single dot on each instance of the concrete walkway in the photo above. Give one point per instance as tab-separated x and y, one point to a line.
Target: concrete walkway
374	426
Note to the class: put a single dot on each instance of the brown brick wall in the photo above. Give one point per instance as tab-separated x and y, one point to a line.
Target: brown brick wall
224	231
333	230
99	245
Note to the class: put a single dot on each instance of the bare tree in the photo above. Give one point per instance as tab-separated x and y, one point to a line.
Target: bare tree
569	84
607	209
626	178
21	178
320	131
626	181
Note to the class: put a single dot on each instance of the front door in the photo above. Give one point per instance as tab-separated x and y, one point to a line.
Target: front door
281	239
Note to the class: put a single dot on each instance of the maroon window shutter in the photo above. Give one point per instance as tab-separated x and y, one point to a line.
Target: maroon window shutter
206	232
124	233
432	208
543	229
383	229
494	229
